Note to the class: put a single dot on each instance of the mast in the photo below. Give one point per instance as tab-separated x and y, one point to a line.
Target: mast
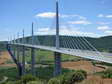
57	55
57	25
32	54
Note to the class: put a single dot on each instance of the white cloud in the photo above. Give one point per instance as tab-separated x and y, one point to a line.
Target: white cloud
100	15
46	15
65	31
84	22
104	16
103	28
52	14
108	32
109	16
103	23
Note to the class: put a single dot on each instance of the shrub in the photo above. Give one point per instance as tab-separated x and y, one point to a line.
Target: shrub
77	77
26	78
18	82
69	78
84	72
107	73
73	77
54	81
35	82
10	82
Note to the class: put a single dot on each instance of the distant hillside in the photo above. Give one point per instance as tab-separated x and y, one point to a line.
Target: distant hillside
2	45
102	43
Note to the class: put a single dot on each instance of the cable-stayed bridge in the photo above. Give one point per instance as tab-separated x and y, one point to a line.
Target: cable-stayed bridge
72	45
86	51
75	46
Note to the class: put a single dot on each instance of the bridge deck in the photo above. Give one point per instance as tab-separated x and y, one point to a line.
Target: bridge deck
100	56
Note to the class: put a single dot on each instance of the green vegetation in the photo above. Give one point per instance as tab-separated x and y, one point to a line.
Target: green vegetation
47	57
26	78
70	77
11	73
102	43
106	74
101	63
2	45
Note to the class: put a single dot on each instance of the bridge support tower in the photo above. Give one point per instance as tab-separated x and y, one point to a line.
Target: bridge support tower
57	55
33	54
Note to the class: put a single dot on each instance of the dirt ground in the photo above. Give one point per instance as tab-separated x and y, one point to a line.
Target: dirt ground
4	57
96	80
87	66
84	65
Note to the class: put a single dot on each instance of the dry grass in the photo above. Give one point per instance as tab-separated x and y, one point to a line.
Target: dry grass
96	80
4	57
84	65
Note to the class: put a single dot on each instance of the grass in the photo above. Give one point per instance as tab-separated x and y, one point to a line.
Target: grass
48	56
11	73
44	73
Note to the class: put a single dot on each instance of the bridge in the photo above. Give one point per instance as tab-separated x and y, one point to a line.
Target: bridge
72	45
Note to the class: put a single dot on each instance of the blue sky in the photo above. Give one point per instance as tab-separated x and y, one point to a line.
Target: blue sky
77	17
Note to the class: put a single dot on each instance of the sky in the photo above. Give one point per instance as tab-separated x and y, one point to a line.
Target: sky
77	17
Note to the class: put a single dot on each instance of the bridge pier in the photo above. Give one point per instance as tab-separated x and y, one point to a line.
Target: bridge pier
33	61
14	59
57	57
23	60
32	53
14	50
18	54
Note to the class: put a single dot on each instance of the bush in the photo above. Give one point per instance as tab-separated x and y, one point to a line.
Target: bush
84	72
18	82
107	73
73	77
10	82
69	78
35	82
54	81
26	78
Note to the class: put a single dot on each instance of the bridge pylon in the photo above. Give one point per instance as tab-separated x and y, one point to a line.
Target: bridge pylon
32	54
23	55
57	55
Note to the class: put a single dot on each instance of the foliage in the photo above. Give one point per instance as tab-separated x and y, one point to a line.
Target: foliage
102	63
54	81
47	72
26	78
2	45
84	72
107	73
11	73
35	82
69	78
73	77
101	43
10	82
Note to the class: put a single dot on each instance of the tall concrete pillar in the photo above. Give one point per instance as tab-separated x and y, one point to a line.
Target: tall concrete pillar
23	56
32	54
57	63
57	55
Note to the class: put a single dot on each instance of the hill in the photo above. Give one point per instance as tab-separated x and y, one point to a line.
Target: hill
2	45
101	43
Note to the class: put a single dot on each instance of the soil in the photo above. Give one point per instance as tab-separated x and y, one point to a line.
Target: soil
84	65
87	66
4	57
93	79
